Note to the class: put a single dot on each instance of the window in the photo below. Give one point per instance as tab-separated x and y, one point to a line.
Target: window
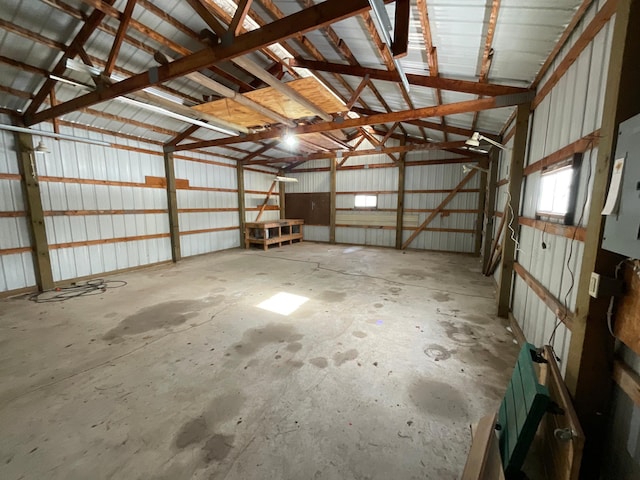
366	201
558	191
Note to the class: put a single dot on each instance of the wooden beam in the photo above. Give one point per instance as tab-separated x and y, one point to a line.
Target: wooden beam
30	35
54	101
172	206
301	22
437	210
259	152
566	231
496	246
401	116
241	202
481	206
487	89
554	304
360	153
281	196
400	45
199	6
332	201
513	207
356	95
117	43
182	135
33	202
402	167
490	206
588	366
627	380
238	17
581	145
266	200
72	50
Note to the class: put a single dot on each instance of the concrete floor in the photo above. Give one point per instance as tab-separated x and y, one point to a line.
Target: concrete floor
180	375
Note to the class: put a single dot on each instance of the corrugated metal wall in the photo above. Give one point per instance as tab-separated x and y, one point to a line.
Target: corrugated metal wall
573	109
102	211
16	263
208	207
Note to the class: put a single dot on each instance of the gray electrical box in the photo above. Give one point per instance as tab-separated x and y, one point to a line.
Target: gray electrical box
622	229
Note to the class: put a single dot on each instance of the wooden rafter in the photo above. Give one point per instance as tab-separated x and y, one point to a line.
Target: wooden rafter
71	51
464	86
182	135
122	29
201	9
239	16
487	53
432	54
356	95
306	20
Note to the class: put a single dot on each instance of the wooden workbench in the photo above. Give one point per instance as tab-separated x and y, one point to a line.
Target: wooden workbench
273	232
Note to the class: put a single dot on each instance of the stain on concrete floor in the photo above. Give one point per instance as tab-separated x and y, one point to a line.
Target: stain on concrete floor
434	397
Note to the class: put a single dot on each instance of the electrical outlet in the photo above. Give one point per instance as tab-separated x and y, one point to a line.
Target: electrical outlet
594	284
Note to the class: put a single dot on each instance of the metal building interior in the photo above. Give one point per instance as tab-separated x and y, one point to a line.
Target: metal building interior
301	239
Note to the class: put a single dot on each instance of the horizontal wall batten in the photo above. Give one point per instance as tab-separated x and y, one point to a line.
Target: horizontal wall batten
581	145
567	231
208	230
393	192
502	182
390	227
207	210
13	251
91	181
10	176
73	213
545	295
88	243
12	214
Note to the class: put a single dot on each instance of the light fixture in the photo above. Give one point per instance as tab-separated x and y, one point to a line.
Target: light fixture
475	139
285	179
466	168
31	131
41	148
289	139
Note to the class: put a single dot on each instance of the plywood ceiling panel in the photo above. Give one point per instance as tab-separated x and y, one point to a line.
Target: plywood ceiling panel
309	87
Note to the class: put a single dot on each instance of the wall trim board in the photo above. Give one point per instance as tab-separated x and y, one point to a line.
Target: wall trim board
516	330
91	181
10	176
18	292
266	207
600	20
567	231
208	230
555	305
627	380
207	210
73	213
101	241
13	213
412	229
408	192
584	144
13	251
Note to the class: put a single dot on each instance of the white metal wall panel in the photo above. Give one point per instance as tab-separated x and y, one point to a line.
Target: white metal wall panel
16	269
78	213
570	111
309	182
206	211
315	233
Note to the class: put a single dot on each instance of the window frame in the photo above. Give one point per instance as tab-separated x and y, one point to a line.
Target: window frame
372	195
573	163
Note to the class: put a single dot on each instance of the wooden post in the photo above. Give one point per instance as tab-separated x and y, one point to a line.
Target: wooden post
482	196
332	202
589	362
490	206
241	203
172	206
400	208
515	184
281	199
37	230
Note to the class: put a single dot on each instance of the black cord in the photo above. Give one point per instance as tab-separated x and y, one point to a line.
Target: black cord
573	237
90	287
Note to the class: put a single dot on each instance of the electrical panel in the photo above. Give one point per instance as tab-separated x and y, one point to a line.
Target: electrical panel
622	228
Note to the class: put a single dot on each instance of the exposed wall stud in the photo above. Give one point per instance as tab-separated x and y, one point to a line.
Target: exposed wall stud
172	206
